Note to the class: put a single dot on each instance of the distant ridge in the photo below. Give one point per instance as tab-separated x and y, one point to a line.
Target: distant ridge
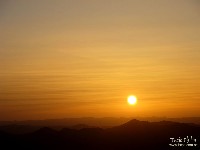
100	122
133	134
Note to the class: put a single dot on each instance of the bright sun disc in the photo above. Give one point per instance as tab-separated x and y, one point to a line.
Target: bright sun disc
132	100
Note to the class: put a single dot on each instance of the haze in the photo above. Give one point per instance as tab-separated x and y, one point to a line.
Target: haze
80	58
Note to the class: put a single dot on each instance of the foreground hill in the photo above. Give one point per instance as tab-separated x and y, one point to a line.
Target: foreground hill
131	135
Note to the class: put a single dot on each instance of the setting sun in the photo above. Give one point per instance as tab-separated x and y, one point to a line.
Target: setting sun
132	100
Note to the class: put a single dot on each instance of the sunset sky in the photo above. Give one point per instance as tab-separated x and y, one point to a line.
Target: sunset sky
82	58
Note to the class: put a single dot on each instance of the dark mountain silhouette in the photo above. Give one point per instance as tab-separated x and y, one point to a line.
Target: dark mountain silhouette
19	129
131	135
68	122
81	126
90	121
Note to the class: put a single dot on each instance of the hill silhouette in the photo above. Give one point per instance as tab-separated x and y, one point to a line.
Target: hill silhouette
131	135
91	121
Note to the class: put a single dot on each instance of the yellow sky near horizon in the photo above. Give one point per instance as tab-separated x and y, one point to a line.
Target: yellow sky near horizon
83	58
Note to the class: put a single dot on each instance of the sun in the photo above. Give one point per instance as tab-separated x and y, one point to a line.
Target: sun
132	100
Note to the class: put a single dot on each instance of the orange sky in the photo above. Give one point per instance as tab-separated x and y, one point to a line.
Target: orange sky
83	58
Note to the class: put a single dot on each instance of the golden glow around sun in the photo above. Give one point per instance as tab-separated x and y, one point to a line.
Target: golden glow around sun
132	100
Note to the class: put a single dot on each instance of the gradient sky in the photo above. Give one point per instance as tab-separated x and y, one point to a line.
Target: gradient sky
78	58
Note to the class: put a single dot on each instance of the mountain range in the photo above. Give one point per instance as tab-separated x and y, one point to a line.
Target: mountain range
134	134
